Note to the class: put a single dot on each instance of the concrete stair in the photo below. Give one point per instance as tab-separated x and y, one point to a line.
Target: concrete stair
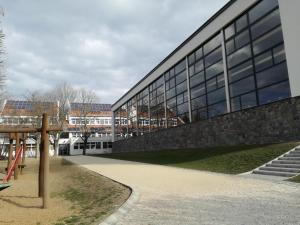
287	165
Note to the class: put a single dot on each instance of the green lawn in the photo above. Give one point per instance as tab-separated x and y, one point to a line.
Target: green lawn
296	179
231	160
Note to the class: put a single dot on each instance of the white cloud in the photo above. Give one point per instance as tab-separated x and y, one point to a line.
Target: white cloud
107	46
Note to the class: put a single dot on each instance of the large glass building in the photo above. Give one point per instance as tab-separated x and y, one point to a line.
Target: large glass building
245	56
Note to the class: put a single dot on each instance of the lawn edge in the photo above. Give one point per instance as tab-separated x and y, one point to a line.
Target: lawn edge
133	197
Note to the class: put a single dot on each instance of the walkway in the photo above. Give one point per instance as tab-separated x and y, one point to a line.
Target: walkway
172	196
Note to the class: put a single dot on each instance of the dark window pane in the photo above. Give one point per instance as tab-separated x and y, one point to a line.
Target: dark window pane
241	23
199	114
212	44
171	103
221	80
197	79
214	70
181	77
240	71
198	102
242	39
172	72
191	70
211	84
160	81
199	66
197	91
180	66
261	9
217	109
263	61
160	90
170	93
266	24
181	87
180	99
230	47
235	104
191	58
248	100
279	54
182	108
216	96
274	93
167	75
213	57
185	98
272	75
229	31
172	83
239	56
199	53
267	41
242	86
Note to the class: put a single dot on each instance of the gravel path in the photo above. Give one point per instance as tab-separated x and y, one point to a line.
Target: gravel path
173	196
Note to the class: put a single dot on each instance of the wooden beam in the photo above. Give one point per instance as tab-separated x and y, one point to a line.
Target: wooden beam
27	130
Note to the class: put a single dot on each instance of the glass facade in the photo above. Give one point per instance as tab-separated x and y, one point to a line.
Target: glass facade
253	72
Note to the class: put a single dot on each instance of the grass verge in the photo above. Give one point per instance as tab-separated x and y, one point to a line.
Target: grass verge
93	197
231	160
296	179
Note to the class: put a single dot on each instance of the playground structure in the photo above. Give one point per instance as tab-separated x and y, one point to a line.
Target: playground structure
17	165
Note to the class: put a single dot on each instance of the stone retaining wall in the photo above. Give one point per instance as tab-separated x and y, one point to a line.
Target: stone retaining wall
272	123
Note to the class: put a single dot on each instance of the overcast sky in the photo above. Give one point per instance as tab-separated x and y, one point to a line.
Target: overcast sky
104	45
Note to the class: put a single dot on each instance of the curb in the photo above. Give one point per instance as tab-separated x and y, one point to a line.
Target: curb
114	218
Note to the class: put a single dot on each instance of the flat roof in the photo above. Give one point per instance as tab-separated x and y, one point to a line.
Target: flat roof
227	5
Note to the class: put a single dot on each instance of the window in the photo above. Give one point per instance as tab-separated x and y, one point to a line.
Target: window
98	145
261	9
242	86
93	145
81	145
270	76
105	145
274	93
76	146
266	24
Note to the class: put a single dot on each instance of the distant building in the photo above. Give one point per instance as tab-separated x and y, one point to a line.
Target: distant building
24	114
98	121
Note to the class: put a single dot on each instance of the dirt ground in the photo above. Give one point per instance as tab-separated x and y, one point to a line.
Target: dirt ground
78	196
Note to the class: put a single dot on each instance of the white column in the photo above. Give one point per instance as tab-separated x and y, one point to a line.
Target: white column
290	17
113	126
188	87
225	72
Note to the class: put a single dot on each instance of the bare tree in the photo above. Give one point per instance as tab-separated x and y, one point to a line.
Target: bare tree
2	59
85	101
63	94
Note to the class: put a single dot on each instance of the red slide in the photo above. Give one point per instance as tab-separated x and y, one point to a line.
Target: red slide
12	167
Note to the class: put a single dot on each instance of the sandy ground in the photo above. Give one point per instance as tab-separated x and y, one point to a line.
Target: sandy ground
19	204
182	196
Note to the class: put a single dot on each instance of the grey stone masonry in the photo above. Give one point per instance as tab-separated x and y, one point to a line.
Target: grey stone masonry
272	123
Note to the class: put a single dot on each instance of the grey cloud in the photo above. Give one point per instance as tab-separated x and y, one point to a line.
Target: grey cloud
102	45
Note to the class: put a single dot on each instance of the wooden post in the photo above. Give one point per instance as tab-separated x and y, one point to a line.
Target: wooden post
16	173
41	168
45	161
10	151
24	151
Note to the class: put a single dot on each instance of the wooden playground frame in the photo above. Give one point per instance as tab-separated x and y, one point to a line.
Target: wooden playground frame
14	133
